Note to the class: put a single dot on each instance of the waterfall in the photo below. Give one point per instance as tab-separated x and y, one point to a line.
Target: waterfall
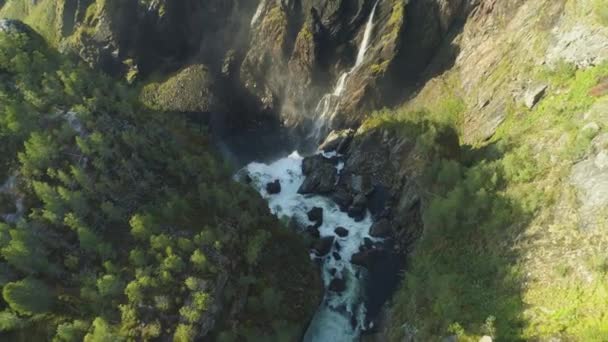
258	12
366	36
329	104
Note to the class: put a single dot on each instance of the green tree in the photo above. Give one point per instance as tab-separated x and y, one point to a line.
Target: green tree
28	296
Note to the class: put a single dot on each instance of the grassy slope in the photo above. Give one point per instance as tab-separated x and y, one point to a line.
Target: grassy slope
502	253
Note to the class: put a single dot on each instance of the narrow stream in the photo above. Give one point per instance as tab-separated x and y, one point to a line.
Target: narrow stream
342	315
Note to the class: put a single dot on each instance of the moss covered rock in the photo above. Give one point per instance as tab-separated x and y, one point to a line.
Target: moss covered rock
190	90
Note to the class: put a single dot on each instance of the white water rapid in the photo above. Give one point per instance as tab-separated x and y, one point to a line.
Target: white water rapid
341	316
328	106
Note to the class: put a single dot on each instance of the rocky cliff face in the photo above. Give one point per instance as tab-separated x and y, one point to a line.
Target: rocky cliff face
280	56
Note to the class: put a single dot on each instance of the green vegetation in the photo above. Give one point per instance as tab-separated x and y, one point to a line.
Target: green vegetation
40	15
490	223
189	90
600	8
132	230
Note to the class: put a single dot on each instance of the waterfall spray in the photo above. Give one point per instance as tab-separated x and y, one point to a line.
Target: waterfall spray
329	104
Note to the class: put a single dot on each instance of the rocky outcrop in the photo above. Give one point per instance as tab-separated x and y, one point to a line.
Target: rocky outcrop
382	174
337	141
298	51
321	175
191	90
276	57
590	176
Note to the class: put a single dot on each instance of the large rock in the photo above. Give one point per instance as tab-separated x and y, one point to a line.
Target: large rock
321	175
590	178
337	141
534	94
358	209
381	229
322	246
341	232
316	215
343	198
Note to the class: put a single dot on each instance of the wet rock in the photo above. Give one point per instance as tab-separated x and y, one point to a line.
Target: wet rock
322	246
337	141
336	256
273	188
338	247
368	243
342	198
361	259
357	210
321	175
313	232
534	95
381	229
376	201
315	162
316	215
337	285
341	232
332	271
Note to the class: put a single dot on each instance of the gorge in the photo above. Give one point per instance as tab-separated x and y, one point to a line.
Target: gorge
303	170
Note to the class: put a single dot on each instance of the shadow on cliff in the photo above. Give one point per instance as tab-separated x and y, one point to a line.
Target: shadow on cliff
462	275
426	52
456	229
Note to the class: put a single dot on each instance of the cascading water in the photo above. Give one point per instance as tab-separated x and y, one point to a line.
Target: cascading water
342	315
258	12
328	106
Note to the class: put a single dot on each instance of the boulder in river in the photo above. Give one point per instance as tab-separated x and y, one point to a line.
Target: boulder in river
361	258
357	209
322	246
337	285
321	175
316	215
273	188
341	232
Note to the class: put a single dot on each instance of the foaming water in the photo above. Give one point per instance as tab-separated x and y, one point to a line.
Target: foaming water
341	316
